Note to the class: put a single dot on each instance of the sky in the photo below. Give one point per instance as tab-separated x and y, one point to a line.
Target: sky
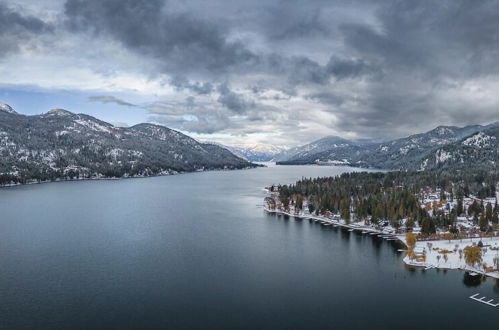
243	72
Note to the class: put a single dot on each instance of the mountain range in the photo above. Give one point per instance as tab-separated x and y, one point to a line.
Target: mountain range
441	147
60	144
256	152
63	145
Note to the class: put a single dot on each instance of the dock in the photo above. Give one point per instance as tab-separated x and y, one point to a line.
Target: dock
484	300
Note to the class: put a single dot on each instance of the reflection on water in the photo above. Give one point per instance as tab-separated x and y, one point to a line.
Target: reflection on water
472	280
496	285
411	269
345	234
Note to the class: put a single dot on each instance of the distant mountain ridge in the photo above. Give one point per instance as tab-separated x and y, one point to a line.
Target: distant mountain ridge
414	152
331	144
63	145
256	152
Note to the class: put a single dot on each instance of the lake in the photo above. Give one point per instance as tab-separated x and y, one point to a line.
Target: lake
197	251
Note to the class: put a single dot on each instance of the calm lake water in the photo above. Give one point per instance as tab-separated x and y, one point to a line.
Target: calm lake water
196	251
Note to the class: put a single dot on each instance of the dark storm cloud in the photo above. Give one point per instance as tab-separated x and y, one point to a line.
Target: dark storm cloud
421	45
454	38
233	101
379	68
179	41
295	23
110	99
182	83
182	42
301	70
17	29
350	68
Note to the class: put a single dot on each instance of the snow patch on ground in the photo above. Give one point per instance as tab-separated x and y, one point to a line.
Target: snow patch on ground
479	140
93	126
332	162
405	150
441	156
424	164
455	260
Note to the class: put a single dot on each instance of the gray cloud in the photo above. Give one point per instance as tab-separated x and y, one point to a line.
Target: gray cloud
421	47
233	101
451	38
202	123
110	99
327	98
17	29
181	83
297	24
179	41
203	117
295	68
341	68
190	115
183	43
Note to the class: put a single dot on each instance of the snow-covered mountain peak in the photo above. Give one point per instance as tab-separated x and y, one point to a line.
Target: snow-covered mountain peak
260	147
257	152
59	112
7	108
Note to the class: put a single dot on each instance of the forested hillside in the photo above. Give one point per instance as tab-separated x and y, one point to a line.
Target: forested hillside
442	147
399	197
63	145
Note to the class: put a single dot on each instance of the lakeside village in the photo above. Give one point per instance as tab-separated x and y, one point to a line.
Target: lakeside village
470	242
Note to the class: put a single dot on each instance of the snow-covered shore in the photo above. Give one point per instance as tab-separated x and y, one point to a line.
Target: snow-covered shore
340	223
455	260
435	251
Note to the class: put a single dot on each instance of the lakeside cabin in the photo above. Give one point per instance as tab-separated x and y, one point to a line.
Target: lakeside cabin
270	202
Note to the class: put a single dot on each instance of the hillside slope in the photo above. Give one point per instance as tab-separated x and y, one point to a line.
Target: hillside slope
60	145
480	149
409	153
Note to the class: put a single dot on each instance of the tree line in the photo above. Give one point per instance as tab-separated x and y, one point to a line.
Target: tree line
393	196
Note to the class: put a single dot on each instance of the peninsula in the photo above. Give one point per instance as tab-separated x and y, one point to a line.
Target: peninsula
445	219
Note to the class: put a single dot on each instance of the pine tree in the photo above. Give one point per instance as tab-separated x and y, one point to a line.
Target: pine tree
299	202
442	195
345	210
459	207
488	212
495	218
484	224
428	226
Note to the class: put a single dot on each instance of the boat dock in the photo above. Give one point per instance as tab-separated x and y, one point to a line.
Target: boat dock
327	222
484	300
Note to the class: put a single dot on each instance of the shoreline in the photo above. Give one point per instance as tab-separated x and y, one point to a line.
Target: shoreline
366	229
5	186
